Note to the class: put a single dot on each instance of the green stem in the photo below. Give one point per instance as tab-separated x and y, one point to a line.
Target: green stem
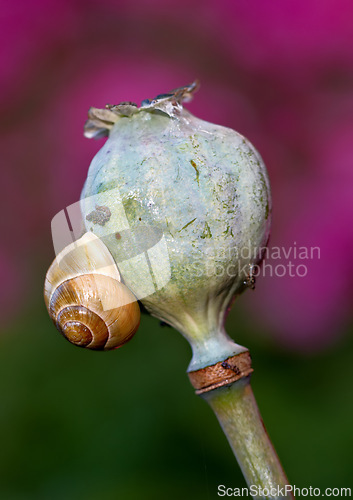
237	411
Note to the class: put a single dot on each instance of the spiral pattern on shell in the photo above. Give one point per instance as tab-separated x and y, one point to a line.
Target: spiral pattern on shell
87	301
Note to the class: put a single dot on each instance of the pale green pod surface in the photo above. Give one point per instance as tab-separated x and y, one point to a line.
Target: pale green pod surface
184	207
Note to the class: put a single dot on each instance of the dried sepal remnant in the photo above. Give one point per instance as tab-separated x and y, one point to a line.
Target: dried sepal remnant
99	123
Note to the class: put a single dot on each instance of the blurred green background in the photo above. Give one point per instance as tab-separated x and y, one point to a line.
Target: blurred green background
126	424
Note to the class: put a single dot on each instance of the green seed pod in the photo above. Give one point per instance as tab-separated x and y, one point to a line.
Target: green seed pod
184	207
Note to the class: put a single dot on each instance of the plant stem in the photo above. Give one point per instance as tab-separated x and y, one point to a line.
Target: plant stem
237	411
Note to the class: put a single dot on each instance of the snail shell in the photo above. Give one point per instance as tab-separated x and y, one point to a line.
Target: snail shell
86	299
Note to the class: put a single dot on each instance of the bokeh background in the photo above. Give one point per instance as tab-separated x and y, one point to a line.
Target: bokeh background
126	424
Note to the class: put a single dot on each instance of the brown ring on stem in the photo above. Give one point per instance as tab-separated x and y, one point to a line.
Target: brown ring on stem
222	373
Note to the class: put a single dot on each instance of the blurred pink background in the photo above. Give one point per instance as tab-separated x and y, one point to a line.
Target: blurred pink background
280	73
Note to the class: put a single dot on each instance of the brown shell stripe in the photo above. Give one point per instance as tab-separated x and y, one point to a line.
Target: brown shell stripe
222	373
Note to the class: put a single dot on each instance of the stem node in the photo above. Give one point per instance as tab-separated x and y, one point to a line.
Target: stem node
222	373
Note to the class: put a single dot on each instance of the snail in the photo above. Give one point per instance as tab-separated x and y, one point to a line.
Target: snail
86	299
